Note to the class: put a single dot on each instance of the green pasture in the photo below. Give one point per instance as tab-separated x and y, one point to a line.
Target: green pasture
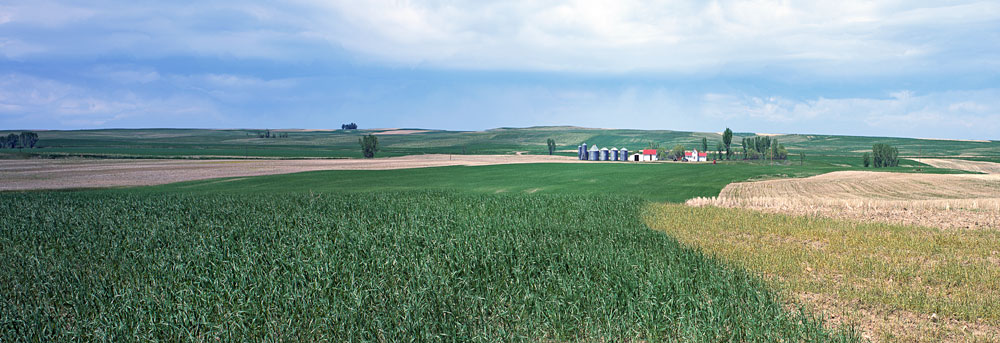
188	143
658	182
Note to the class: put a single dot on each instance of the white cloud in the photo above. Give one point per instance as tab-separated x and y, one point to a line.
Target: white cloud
639	35
44	13
30	102
575	35
16	49
950	114
125	74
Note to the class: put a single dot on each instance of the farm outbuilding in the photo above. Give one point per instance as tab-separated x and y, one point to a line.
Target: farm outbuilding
613	154
623	154
604	154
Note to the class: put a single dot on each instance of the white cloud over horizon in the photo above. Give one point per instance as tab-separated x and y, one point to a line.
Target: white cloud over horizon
905	68
951	114
578	35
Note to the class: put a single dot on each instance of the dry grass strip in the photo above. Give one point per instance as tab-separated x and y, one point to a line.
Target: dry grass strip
893	283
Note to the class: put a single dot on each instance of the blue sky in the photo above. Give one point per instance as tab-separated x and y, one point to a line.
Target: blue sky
888	68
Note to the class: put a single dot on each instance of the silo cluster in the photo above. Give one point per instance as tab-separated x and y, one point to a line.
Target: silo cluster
593	153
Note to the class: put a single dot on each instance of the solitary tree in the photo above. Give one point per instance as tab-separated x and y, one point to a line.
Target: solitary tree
727	139
704	144
744	141
802	158
552	146
369	145
866	159
718	151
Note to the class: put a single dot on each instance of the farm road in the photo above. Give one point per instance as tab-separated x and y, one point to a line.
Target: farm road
95	173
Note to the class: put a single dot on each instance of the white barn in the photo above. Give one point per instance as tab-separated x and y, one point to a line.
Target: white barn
645	155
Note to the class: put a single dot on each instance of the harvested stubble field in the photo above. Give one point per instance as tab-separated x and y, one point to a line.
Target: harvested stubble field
973	166
937	279
415	266
33	174
893	283
961	201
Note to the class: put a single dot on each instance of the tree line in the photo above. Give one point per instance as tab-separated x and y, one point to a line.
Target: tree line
351	126
763	147
753	148
269	134
882	155
26	139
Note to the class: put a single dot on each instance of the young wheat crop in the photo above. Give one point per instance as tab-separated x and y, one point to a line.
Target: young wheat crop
414	266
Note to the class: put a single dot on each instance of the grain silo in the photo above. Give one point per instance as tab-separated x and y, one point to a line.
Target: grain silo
604	154
623	154
579	152
594	153
613	154
584	152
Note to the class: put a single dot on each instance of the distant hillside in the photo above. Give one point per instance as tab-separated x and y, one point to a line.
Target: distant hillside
299	143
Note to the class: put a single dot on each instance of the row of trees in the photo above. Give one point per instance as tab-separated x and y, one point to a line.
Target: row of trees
351	126
882	155
26	139
754	148
269	134
763	147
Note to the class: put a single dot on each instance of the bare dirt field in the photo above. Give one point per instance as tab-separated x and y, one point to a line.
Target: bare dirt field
91	173
400	132
960	201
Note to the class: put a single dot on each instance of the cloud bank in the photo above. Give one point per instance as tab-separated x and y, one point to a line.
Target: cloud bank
909	68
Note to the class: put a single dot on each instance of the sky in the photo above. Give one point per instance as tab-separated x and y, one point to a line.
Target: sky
928	69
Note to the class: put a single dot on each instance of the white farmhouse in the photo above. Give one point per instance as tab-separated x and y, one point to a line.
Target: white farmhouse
695	156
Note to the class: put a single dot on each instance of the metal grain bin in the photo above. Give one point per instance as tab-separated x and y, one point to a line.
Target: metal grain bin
623	154
604	154
594	153
584	153
613	154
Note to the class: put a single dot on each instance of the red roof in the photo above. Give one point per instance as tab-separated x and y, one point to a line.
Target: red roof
688	153
702	154
649	151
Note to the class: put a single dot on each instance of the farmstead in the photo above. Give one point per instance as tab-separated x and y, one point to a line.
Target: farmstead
695	156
